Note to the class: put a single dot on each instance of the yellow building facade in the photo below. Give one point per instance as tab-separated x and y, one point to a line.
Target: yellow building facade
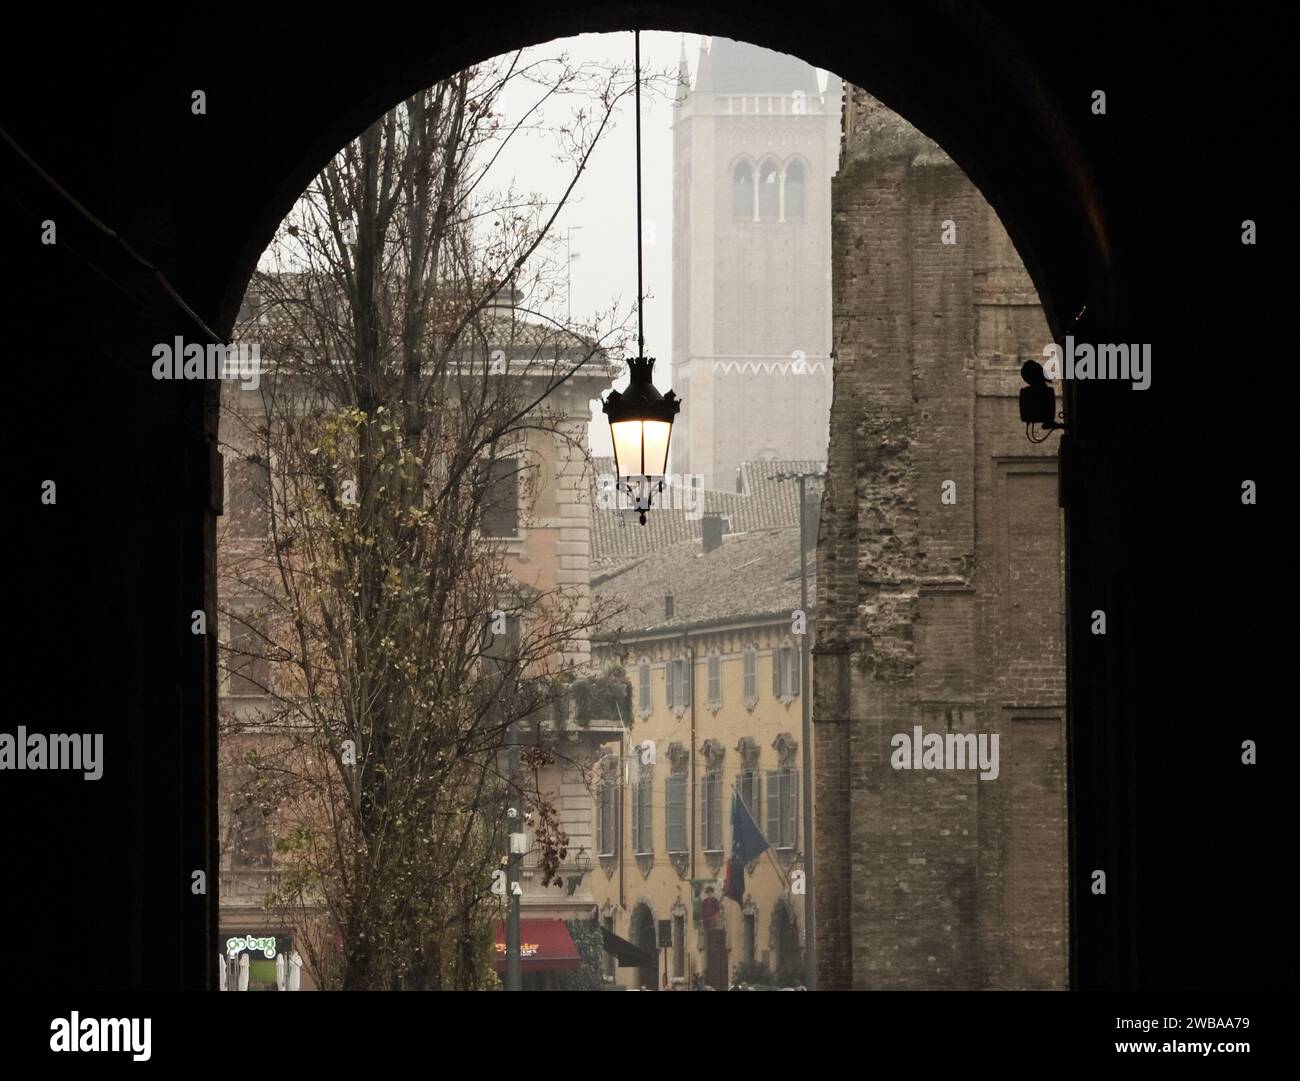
717	712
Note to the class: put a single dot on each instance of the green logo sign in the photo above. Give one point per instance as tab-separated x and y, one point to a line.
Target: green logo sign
239	943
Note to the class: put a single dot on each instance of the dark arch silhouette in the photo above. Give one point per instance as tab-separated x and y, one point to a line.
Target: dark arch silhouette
1155	777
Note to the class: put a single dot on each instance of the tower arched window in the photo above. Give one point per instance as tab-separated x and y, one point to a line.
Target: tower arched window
742	188
794	191
769	191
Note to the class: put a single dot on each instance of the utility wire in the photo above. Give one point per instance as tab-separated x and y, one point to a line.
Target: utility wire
116	237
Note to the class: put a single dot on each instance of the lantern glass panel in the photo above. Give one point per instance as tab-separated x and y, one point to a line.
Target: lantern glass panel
657	433
641	447
627	446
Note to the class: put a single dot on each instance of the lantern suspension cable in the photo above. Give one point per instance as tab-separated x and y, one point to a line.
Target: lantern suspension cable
640	230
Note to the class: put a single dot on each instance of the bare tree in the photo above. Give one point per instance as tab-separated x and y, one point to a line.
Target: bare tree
412	360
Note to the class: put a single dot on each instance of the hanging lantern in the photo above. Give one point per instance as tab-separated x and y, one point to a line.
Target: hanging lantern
641	426
640	418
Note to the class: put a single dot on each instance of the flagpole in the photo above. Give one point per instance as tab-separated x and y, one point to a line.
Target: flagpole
735	795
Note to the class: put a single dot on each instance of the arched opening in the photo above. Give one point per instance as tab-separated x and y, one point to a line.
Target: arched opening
767	354
642	930
787	947
748	334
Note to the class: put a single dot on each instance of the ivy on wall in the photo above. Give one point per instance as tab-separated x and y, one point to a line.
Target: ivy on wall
586	936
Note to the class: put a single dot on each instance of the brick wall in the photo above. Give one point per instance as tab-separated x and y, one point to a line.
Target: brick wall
944	614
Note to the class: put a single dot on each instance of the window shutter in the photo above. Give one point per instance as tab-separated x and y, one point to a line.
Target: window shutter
643	686
715	680
715	807
647	821
796	670
675	801
249	667
602	823
636	818
670	675
777	656
501	499
706	825
773	822
248	507
670	815
751	675
790	799
608	840
749	793
688	674
611	820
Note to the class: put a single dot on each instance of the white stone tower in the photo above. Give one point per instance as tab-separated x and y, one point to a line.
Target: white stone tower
755	144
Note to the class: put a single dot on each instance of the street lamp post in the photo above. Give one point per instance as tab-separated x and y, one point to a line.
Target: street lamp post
515	826
805	701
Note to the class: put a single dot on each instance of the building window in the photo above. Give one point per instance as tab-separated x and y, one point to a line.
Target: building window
769	191
785	672
643	701
782	807
642	818
749	788
675	811
742	188
250	840
503	646
247	663
679	946
794	191
606	819
501	498
751	935
715	681
678	674
248	487
711	811
751	678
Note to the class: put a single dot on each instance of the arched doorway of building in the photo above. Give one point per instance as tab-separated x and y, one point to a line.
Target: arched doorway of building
787	948
642	933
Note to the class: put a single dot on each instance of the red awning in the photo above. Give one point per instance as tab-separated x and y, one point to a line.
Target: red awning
545	946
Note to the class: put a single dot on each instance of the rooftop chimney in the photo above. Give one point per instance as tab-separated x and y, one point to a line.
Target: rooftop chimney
712	526
668	605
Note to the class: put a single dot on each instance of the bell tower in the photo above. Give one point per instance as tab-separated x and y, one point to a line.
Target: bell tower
755	143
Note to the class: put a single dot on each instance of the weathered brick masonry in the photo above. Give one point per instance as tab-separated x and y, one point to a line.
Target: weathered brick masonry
948	616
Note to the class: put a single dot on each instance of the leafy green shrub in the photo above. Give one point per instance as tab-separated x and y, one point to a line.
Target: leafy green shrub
753	972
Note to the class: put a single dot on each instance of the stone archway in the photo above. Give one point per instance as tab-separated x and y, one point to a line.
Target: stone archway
994	87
